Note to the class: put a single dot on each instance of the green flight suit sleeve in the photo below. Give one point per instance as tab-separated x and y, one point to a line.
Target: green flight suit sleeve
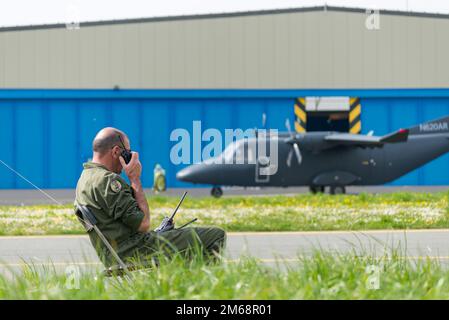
119	202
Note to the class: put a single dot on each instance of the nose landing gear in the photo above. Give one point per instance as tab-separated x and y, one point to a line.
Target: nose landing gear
216	192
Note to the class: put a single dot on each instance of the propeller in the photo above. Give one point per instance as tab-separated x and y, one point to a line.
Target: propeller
295	147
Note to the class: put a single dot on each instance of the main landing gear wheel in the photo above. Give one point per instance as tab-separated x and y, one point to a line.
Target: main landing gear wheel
337	190
216	192
316	189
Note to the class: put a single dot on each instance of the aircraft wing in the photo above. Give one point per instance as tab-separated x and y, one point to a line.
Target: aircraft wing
365	140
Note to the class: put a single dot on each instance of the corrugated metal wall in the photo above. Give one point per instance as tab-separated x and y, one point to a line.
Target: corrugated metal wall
46	134
302	49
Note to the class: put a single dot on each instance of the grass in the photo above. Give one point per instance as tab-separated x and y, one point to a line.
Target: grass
305	212
320	276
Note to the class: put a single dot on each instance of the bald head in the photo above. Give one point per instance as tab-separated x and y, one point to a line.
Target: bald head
106	139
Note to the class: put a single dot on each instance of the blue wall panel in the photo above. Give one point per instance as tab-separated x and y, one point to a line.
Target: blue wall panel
92	117
375	116
62	156
7	124
405	114
155	124
49	132
437	171
277	111
30	146
126	116
249	113
182	115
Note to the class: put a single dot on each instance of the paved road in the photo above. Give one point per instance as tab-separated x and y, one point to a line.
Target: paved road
269	247
31	197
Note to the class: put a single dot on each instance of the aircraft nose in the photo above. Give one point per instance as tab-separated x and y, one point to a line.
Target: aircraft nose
192	173
183	175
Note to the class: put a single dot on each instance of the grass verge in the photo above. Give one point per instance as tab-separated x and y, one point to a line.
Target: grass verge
405	210
320	276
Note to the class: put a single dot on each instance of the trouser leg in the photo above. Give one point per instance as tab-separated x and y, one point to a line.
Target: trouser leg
210	240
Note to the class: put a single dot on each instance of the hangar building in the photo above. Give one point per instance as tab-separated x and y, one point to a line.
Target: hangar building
60	84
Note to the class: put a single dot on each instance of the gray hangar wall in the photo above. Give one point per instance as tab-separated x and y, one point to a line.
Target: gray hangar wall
302	48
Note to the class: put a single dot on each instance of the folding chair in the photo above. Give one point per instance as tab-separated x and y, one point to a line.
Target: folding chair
89	222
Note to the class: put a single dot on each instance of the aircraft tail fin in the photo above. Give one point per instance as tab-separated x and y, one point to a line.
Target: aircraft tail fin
440	125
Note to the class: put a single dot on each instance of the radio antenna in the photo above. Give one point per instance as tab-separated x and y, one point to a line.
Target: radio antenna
177	207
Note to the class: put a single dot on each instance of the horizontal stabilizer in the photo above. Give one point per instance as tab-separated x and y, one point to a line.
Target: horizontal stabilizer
398	136
365	140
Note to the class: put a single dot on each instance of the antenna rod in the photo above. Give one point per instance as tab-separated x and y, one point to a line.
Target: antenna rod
186	224
179	204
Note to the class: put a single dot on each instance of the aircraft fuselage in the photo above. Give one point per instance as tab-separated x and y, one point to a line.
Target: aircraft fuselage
340	165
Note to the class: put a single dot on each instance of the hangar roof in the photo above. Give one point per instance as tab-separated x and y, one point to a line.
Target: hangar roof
228	15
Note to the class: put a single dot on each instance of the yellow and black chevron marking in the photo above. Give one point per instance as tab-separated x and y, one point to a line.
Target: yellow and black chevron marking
300	115
355	111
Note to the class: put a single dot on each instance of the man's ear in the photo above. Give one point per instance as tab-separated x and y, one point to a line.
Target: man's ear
116	152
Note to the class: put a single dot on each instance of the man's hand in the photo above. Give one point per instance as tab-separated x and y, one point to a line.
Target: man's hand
133	169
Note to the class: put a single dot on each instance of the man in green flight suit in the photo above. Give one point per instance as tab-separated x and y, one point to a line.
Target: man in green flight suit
122	211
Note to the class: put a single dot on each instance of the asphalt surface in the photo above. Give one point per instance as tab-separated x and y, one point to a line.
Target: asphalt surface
52	196
269	247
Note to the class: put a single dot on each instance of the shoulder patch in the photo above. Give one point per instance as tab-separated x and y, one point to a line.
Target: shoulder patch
116	186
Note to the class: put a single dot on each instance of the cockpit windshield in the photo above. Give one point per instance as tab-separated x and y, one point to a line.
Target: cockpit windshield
240	152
